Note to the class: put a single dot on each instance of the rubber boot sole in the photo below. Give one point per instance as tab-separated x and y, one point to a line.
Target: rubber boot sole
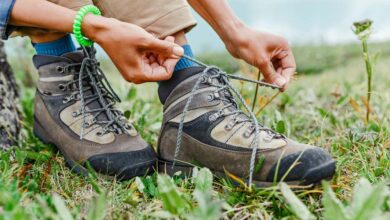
313	177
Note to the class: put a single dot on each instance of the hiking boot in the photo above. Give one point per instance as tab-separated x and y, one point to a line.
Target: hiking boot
75	111
203	126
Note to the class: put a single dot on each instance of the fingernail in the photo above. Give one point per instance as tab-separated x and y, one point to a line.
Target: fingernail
178	51
280	81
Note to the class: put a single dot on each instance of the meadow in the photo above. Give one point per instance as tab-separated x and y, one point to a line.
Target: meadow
324	105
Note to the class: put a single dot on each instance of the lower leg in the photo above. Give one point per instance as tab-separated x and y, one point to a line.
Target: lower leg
180	38
45	37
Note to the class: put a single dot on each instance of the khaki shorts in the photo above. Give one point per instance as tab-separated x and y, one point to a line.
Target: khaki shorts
160	17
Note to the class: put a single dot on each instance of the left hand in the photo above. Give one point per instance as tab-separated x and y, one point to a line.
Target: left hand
271	54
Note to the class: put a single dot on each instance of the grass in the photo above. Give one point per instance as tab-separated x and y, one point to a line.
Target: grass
325	106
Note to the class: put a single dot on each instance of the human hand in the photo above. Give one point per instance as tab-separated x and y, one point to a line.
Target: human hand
268	52
139	56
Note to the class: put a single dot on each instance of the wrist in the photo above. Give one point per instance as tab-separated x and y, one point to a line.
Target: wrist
234	32
94	26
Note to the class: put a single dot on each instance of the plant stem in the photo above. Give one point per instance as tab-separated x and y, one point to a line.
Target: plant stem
369	76
256	91
267	103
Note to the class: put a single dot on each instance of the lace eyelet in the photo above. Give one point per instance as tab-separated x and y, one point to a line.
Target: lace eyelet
60	69
86	125
217	95
246	134
62	87
268	139
210	97
68	99
99	133
228	127
213	117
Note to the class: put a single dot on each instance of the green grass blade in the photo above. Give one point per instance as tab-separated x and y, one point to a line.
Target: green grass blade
97	210
296	205
62	211
334	209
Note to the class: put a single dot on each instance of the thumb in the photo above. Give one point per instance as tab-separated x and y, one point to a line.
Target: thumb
165	47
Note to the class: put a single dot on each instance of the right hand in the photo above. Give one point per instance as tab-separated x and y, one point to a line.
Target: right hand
271	54
139	56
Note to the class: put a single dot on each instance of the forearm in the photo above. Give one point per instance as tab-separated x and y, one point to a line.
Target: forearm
42	14
46	15
220	16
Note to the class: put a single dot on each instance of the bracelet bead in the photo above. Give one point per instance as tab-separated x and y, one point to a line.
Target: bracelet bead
78	20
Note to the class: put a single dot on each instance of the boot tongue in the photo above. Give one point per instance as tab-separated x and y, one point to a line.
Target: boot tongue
76	56
41	60
97	105
230	99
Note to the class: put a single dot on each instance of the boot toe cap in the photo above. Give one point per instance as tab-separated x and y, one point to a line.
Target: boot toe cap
311	166
124	165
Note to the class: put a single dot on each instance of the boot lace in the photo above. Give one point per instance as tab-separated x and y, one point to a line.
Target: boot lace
224	93
90	85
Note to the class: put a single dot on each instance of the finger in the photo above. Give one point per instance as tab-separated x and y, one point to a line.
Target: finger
288	67
161	57
152	59
146	59
153	72
164	48
170	64
270	75
287	74
279	70
158	73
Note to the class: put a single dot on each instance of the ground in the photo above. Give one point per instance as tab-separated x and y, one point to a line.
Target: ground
325	105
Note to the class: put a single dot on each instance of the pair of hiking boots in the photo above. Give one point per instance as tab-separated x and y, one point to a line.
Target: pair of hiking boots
202	124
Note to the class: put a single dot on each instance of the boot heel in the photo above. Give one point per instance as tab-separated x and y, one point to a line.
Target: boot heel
40	132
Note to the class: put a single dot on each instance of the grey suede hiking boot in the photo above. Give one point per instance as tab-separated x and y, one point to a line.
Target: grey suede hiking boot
75	111
203	126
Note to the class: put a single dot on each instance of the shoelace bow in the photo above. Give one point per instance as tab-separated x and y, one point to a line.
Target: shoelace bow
214	72
101	91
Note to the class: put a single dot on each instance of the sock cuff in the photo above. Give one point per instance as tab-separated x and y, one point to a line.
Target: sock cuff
184	63
188	50
56	47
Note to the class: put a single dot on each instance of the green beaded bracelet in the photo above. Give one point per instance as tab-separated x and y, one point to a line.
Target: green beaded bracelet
83	41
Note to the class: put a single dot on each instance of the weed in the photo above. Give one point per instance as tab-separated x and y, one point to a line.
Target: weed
362	30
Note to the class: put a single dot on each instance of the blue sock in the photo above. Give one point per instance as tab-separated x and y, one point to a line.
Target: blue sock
57	47
183	62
